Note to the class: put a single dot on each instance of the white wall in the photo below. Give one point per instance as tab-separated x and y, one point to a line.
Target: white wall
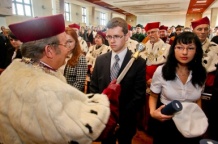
45	7
3	22
167	20
49	7
38	10
118	15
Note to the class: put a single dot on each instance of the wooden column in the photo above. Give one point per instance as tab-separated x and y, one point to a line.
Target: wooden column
213	17
131	20
192	17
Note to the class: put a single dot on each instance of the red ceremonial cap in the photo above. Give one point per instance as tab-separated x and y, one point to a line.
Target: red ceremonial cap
152	25
102	34
74	26
162	27
204	20
129	27
38	28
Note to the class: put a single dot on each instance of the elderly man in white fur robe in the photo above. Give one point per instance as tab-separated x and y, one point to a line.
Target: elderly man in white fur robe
37	106
201	28
156	50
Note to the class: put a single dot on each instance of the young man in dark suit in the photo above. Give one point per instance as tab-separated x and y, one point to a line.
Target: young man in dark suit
132	95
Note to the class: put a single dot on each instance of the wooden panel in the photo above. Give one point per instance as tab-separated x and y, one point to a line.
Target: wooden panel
108	6
198	6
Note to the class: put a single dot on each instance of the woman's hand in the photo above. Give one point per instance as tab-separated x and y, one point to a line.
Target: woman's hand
159	116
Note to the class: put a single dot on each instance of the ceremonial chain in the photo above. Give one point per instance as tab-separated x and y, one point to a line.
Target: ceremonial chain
39	65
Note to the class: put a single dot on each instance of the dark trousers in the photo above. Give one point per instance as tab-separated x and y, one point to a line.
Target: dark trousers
124	136
167	133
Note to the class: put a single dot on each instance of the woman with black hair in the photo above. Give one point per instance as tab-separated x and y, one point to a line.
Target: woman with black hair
14	48
181	78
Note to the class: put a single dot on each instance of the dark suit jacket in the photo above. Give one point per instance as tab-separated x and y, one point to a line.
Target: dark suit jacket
133	87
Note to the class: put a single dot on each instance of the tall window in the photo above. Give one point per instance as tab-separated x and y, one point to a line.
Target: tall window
22	7
83	14
102	19
67	11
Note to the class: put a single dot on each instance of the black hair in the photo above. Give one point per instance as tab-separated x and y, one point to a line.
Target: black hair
11	35
195	65
139	25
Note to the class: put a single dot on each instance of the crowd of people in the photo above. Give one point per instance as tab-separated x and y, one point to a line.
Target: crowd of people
44	70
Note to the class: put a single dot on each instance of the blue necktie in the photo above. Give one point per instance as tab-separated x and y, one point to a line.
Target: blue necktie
115	68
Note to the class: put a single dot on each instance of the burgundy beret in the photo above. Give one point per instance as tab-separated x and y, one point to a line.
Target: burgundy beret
38	28
152	25
162	27
102	34
204	20
74	26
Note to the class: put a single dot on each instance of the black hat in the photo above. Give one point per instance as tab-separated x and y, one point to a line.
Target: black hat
179	26
139	25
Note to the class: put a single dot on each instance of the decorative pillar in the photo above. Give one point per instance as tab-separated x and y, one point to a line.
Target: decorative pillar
192	17
213	17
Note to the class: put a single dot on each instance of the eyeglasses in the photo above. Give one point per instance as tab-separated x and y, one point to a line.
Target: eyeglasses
181	49
115	37
67	45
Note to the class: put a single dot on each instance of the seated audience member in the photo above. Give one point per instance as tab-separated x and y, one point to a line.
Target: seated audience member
138	35
37	105
76	68
3	52
164	35
131	44
14	50
172	31
82	42
96	50
214	32
163	32
179	30
90	37
83	33
3	48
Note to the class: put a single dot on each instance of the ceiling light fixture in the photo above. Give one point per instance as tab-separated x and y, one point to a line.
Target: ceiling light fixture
203	1
196	9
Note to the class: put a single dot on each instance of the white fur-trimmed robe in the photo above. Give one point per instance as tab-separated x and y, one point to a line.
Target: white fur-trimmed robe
210	58
40	108
156	53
